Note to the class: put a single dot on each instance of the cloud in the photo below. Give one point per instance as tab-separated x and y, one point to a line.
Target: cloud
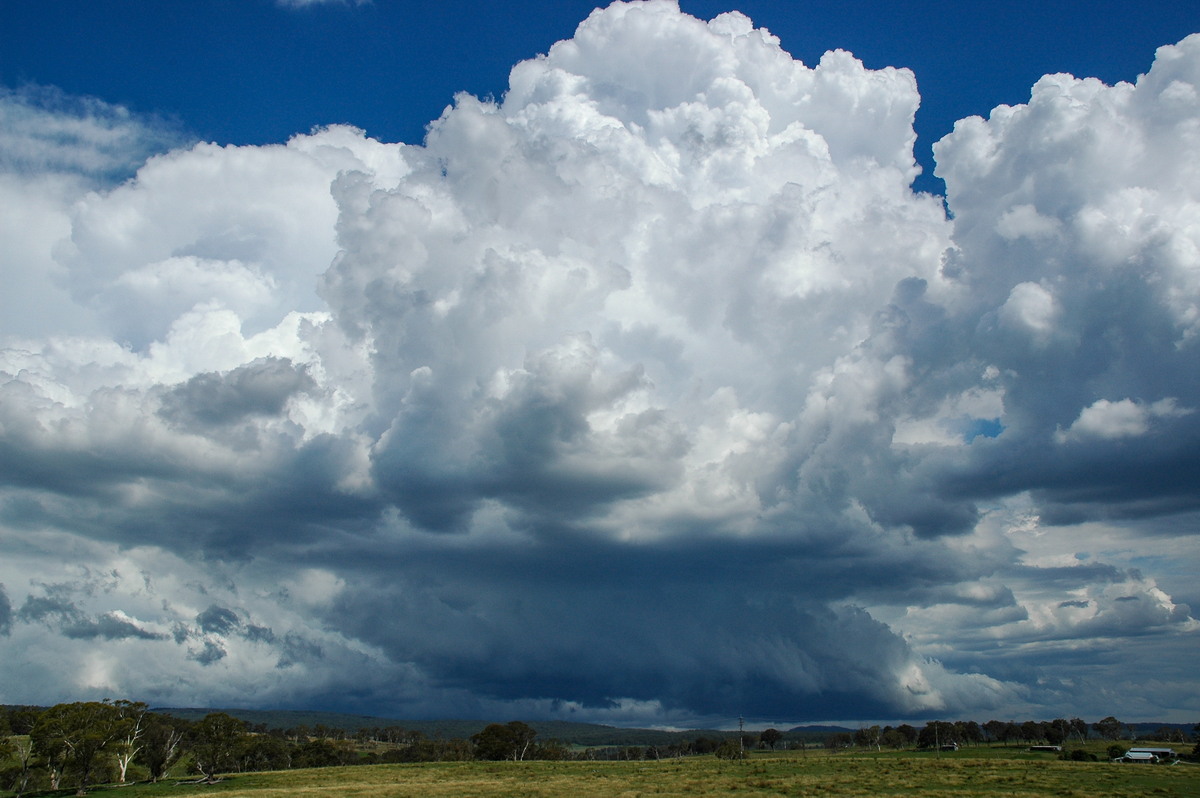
217	619
1123	419
6	613
47	130
55	610
56	147
261	387
246	229
651	387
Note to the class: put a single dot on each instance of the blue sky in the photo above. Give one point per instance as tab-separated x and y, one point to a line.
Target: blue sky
253	72
644	382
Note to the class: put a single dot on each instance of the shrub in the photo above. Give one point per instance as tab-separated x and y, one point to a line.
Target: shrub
730	749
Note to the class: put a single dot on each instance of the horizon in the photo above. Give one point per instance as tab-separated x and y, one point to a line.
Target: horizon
686	363
750	725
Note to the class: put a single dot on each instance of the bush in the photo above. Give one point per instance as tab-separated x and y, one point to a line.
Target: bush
1116	751
730	749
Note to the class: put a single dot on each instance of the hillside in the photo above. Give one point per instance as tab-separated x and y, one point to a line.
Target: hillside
587	734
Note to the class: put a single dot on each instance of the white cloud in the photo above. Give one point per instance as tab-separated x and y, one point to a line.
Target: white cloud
48	131
1121	419
668	323
248	228
1032	307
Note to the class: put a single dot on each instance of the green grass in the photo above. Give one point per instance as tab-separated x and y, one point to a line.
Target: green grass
887	775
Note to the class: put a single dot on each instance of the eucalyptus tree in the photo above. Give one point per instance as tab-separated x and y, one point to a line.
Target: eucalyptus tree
72	737
504	741
1109	728
161	743
132	719
214	742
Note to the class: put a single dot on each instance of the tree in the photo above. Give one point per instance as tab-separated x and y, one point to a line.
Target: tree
1057	731
770	737
910	733
131	719
839	740
320	753
455	750
161	743
937	733
494	742
1109	728
867	737
730	749
523	737
18	775
556	751
504	741
22	719
7	747
8	750
1031	731
264	752
71	738
214	741
1168	734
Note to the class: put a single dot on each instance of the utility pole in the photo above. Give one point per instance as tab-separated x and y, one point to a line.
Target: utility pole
741	739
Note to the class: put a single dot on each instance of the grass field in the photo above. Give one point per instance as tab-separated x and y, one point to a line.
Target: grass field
843	774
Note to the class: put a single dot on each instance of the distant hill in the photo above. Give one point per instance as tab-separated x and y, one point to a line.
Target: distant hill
582	734
814	733
586	734
1142	730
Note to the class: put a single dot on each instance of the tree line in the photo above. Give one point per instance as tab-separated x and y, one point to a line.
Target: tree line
81	744
1055	732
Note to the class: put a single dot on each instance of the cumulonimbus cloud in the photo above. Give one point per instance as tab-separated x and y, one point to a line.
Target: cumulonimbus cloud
652	384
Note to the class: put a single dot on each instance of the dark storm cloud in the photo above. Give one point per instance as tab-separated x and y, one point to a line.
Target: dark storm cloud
258	634
185	509
45	608
294	650
681	650
218	620
224	622
211	652
62	614
6	612
259	388
109	627
701	629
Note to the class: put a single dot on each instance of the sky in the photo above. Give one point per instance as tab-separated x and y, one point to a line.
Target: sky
655	365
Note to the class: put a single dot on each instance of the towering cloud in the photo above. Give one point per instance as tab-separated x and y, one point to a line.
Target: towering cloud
649	393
